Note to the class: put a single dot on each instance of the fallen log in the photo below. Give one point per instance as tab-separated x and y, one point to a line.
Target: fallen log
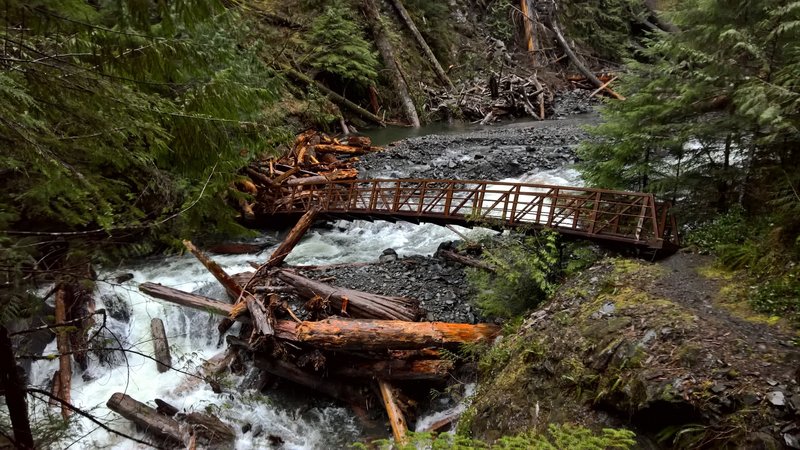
335	389
64	359
366	335
386	50
190	300
235	248
396	419
165	408
231	287
160	345
158	425
356	303
336	98
437	67
210	431
348	334
400	370
466	260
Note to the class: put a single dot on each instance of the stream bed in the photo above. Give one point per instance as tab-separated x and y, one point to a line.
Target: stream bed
280	418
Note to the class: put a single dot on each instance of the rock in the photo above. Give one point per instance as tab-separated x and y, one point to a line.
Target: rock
717	388
257	430
749	399
246	427
388	255
649	336
791	440
123	277
117	307
776	398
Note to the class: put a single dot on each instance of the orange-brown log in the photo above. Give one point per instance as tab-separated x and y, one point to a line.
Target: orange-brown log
361	305
291	240
64	359
396	418
347	149
397	369
366	335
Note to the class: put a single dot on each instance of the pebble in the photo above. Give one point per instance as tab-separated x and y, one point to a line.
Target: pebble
776	398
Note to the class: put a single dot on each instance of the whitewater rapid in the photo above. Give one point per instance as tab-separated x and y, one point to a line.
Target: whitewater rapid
193	339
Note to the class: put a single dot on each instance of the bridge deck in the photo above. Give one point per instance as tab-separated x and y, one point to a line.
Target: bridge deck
632	218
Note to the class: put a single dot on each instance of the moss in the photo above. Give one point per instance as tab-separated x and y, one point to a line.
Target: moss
733	296
688	353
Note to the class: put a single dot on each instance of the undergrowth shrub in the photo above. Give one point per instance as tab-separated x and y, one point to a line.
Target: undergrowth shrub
762	251
527	270
556	437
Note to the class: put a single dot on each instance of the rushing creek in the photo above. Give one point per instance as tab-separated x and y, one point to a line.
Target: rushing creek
301	423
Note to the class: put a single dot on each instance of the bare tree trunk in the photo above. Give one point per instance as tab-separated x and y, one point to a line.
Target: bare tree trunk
387	53
62	343
398	5
14	390
553	23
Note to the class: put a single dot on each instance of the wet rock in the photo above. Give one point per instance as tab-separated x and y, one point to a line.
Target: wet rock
117	307
791	440
718	388
123	277
246	427
388	255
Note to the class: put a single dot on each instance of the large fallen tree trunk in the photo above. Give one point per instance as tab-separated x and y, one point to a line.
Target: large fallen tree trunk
349	334
396	418
400	369
356	303
562	41
366	335
398	5
336	98
373	16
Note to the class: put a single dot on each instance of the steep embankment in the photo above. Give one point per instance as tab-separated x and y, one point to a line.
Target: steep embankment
627	343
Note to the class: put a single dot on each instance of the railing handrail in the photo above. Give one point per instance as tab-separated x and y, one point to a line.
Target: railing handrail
634	217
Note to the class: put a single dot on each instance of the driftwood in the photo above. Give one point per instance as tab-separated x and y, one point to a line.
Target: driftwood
396	418
335	389
384	46
165	408
367	335
292	239
183	298
355	303
466	260
398	369
64	359
160	345
207	430
153	423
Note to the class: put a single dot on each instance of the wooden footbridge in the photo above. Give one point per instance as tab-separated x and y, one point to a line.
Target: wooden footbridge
632	219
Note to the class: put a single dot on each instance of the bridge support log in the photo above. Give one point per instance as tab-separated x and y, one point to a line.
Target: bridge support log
354	303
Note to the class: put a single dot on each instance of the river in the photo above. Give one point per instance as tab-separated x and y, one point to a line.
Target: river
280	414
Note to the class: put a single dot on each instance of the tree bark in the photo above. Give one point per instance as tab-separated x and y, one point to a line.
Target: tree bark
562	41
336	98
149	419
466	260
160	345
373	16
187	299
396	419
366	335
14	390
356	303
437	67
398	369
62	344
335	389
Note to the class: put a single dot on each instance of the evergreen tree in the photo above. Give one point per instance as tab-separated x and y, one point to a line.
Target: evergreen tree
711	115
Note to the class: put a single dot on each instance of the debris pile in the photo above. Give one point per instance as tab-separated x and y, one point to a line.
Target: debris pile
498	97
359	348
314	158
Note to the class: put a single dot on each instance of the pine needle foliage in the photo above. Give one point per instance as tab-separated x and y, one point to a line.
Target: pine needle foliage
129	117
712	111
337	45
528	268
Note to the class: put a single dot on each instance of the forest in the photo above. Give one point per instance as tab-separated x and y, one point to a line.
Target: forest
129	126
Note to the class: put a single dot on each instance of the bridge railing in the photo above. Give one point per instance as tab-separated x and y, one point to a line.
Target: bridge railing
612	215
